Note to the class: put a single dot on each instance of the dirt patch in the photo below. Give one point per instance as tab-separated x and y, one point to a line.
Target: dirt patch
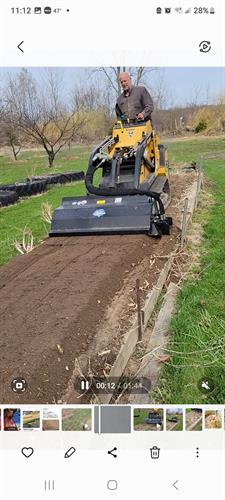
148	427
71	298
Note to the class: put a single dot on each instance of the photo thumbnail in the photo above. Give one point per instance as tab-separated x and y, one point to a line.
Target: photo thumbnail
213	419
31	420
174	419
77	420
51	419
148	419
12	419
194	419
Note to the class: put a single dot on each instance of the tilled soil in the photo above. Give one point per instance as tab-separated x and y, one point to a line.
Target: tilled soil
71	297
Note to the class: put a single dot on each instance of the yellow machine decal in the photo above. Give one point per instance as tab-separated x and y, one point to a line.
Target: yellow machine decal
100	202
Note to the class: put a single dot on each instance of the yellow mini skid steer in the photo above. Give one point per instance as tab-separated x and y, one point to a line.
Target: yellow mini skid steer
131	193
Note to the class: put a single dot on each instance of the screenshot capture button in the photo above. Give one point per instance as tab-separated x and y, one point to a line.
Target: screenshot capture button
19	385
205	46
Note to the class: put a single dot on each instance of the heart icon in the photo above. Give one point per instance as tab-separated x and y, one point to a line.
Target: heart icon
27	452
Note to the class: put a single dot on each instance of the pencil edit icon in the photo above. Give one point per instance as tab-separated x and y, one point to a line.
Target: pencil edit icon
70	452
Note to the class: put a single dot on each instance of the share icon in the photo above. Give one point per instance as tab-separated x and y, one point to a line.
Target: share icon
111	452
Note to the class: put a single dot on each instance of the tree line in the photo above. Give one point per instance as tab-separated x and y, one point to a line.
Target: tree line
45	116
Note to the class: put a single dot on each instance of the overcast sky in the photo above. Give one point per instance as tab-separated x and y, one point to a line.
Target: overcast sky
182	84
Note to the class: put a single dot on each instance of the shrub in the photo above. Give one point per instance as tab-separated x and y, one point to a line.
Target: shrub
202	125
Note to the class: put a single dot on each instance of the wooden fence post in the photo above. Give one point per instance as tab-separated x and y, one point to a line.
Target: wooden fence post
184	222
199	180
139	310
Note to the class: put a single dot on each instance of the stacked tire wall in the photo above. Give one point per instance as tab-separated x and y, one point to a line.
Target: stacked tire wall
8	198
10	193
60	178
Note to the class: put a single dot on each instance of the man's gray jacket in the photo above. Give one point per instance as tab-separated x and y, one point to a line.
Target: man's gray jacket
137	101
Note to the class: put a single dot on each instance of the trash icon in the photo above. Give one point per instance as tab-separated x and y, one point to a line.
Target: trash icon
155	451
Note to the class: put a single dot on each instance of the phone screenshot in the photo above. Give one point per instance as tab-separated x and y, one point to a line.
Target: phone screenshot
112	232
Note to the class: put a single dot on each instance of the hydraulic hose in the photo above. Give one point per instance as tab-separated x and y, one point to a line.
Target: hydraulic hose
114	191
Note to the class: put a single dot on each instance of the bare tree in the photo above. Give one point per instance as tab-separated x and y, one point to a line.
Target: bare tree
12	139
9	132
112	74
96	105
195	98
220	106
159	90
88	97
42	115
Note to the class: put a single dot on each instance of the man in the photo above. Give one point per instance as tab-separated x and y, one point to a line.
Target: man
135	102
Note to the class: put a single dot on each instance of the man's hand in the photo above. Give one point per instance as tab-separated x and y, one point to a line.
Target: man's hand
140	116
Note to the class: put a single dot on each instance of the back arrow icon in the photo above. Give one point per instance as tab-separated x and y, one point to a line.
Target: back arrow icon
19	46
175	485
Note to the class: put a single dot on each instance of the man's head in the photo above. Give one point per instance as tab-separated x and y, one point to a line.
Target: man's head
125	81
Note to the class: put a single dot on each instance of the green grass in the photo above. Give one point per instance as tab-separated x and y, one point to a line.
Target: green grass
198	427
139	416
184	151
179	425
36	163
197	345
27	213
